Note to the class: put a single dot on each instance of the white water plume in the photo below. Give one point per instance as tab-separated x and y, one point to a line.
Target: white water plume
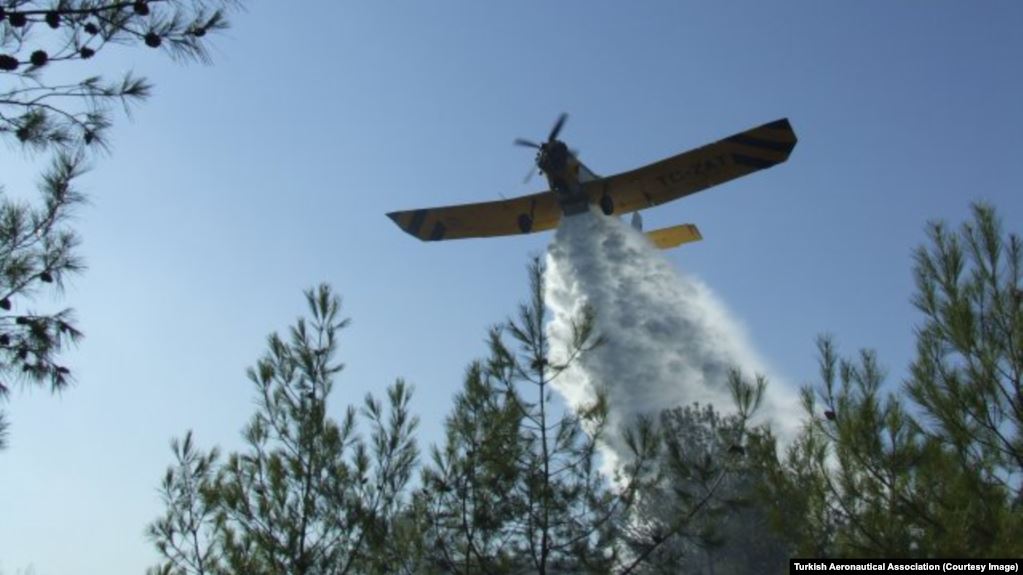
669	341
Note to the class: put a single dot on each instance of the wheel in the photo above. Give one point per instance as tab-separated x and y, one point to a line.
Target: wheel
525	223
607	205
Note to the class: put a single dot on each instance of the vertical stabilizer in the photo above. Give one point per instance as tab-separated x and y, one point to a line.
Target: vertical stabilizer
637	221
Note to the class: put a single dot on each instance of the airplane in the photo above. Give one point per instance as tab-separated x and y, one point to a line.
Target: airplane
573	187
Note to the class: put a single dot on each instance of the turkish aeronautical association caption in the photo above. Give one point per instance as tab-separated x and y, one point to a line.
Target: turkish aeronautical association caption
903	565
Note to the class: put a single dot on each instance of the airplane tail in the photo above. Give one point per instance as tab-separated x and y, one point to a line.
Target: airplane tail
668	238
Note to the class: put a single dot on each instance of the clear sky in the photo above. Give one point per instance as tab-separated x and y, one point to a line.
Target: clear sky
239	185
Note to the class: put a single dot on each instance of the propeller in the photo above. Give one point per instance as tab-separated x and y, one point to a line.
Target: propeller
526	143
529	175
551	137
555	130
557	127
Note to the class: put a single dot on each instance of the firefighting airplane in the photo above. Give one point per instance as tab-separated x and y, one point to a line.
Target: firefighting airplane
574	187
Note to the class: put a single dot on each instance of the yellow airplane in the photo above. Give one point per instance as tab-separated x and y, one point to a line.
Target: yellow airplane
574	187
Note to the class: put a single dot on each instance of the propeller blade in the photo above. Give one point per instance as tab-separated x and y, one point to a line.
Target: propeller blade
557	127
529	175
526	143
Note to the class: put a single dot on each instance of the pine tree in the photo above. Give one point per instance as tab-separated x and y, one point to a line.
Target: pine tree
37	35
968	375
38	249
308	494
517	488
185	534
37	253
937	470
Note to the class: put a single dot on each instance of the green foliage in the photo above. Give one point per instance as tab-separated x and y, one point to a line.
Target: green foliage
516	488
308	494
184	535
38	249
37	36
871	476
516	485
465	494
969	367
37	253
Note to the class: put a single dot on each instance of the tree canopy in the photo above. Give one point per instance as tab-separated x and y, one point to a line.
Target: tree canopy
69	120
933	469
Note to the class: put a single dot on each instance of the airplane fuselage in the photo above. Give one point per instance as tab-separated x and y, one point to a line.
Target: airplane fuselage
562	170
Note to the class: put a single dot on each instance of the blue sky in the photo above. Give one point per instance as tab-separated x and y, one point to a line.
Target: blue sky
239	185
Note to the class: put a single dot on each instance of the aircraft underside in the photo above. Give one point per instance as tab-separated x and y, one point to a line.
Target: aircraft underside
573	187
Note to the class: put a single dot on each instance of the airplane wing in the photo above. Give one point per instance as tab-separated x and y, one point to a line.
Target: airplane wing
483	219
695	170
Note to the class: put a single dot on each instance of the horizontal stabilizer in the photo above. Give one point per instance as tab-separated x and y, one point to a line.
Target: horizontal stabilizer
668	238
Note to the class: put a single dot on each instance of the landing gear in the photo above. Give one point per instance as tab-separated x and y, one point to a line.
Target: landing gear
525	223
607	205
